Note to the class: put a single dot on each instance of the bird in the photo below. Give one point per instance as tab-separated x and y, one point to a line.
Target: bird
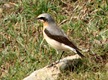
55	36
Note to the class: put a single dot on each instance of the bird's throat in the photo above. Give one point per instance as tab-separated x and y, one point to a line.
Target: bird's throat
45	24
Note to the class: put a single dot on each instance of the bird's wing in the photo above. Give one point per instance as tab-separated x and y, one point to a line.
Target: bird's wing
55	30
64	40
61	39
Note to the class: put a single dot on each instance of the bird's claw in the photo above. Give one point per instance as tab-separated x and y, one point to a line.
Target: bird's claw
52	64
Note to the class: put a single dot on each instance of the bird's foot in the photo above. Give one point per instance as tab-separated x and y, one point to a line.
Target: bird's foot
53	64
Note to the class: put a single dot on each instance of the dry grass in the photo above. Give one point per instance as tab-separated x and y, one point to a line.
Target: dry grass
85	22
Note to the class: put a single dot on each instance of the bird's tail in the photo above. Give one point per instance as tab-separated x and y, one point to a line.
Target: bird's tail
80	54
76	51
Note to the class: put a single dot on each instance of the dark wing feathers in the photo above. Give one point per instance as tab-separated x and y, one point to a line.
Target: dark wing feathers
61	39
64	40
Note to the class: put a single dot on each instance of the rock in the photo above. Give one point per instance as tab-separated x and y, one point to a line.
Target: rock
51	72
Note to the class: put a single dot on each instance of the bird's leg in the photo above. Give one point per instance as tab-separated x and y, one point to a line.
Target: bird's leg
57	60
53	63
61	56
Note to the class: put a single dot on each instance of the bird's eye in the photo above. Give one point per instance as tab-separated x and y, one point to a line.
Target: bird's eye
43	18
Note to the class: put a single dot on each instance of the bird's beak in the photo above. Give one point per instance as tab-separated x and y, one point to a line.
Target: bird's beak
37	18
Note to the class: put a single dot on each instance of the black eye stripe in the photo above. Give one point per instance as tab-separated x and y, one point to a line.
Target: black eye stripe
43	18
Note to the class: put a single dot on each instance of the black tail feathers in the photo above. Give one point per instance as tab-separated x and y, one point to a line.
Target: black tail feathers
80	54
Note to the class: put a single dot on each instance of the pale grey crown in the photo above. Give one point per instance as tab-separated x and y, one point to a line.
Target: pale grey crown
46	17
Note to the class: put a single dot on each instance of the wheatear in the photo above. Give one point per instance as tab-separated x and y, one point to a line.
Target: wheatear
54	36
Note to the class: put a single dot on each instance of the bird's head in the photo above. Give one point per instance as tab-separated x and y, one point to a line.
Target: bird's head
45	17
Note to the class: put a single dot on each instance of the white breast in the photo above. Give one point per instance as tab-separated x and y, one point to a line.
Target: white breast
51	42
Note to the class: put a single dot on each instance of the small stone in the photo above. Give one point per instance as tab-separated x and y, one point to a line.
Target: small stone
1	10
7	6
